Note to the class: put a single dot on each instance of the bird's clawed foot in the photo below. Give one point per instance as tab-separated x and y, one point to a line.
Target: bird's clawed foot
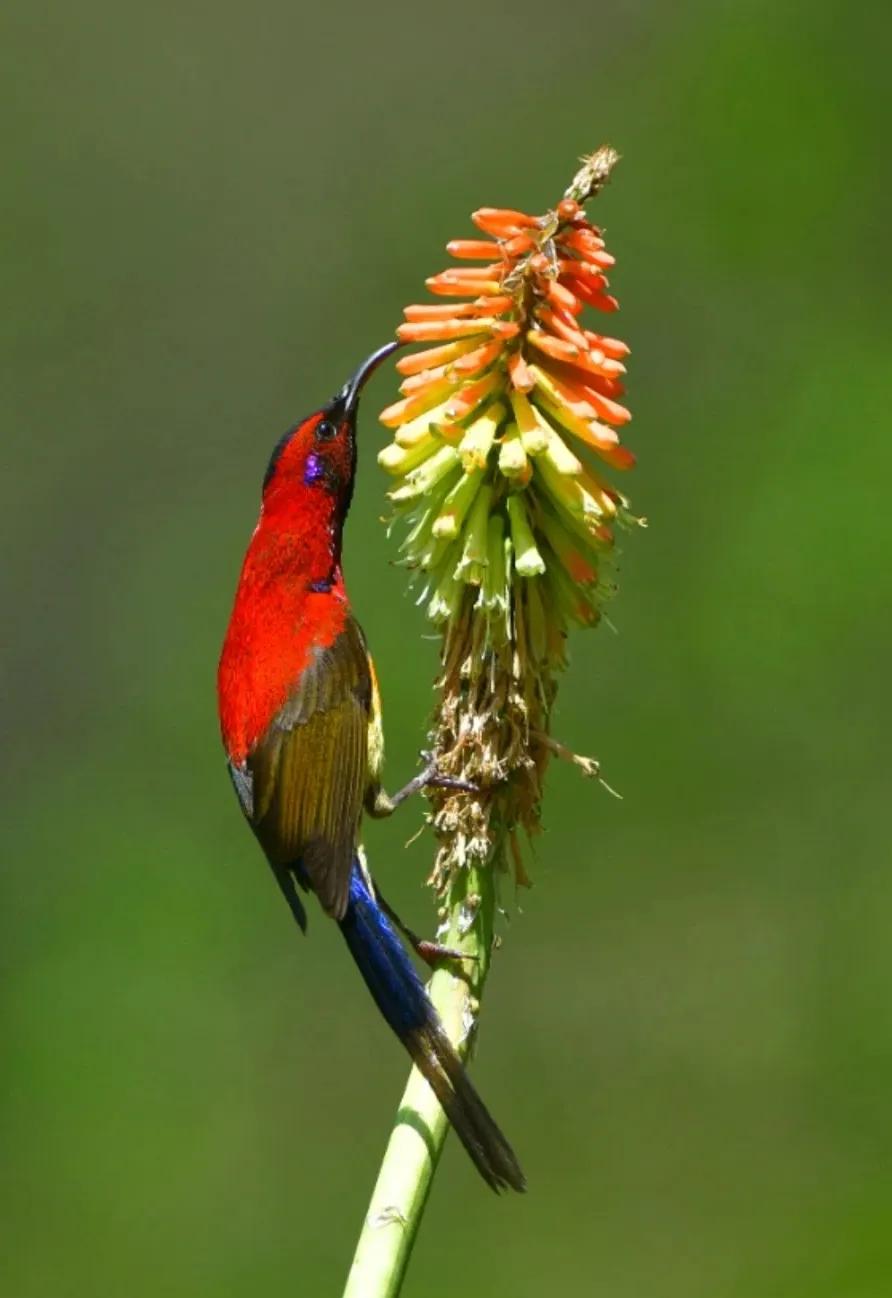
434	779
432	953
430	778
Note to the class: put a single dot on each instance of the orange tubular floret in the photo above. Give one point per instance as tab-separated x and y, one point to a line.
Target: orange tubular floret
445	287
577	385
566	317
603	302
470	396
450	311
465	274
582	289
584	272
558	325
602	438
583	242
520	244
603	260
606	387
598	436
579	568
580	413
612	369
590	385
423	331
611	411
502	221
587	270
609	346
562	297
438	310
584	238
418	383
478	359
472	249
521	377
597	363
618	457
558	348
402	411
492	305
433	356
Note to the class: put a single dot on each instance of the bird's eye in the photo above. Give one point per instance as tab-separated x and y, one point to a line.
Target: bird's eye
325	430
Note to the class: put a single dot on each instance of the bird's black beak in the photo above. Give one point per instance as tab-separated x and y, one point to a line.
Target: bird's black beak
349	394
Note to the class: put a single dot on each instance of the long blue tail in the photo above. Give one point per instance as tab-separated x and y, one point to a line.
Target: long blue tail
400	996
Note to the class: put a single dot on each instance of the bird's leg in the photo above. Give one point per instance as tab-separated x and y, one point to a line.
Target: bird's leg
385	804
380	804
430	952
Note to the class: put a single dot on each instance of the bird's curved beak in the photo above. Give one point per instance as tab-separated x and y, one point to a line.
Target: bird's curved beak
350	392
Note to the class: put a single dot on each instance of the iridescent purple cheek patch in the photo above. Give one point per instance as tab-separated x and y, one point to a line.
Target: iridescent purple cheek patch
314	471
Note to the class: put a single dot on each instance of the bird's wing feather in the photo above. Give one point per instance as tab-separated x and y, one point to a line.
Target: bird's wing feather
375	737
310	770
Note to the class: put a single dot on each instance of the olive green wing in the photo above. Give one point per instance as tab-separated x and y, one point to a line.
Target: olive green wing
310	770
375	737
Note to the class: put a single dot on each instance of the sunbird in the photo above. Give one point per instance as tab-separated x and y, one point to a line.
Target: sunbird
300	716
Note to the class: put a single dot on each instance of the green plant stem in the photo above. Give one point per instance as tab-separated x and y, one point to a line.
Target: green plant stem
416	1142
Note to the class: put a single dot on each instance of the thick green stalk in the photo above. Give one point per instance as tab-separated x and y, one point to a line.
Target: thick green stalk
400	1194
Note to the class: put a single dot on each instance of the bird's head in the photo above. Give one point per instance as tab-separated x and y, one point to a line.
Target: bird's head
319	453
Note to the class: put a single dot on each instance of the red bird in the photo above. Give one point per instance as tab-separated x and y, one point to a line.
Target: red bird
301	725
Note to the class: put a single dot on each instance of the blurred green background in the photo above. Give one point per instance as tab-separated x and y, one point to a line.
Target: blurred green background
211	214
